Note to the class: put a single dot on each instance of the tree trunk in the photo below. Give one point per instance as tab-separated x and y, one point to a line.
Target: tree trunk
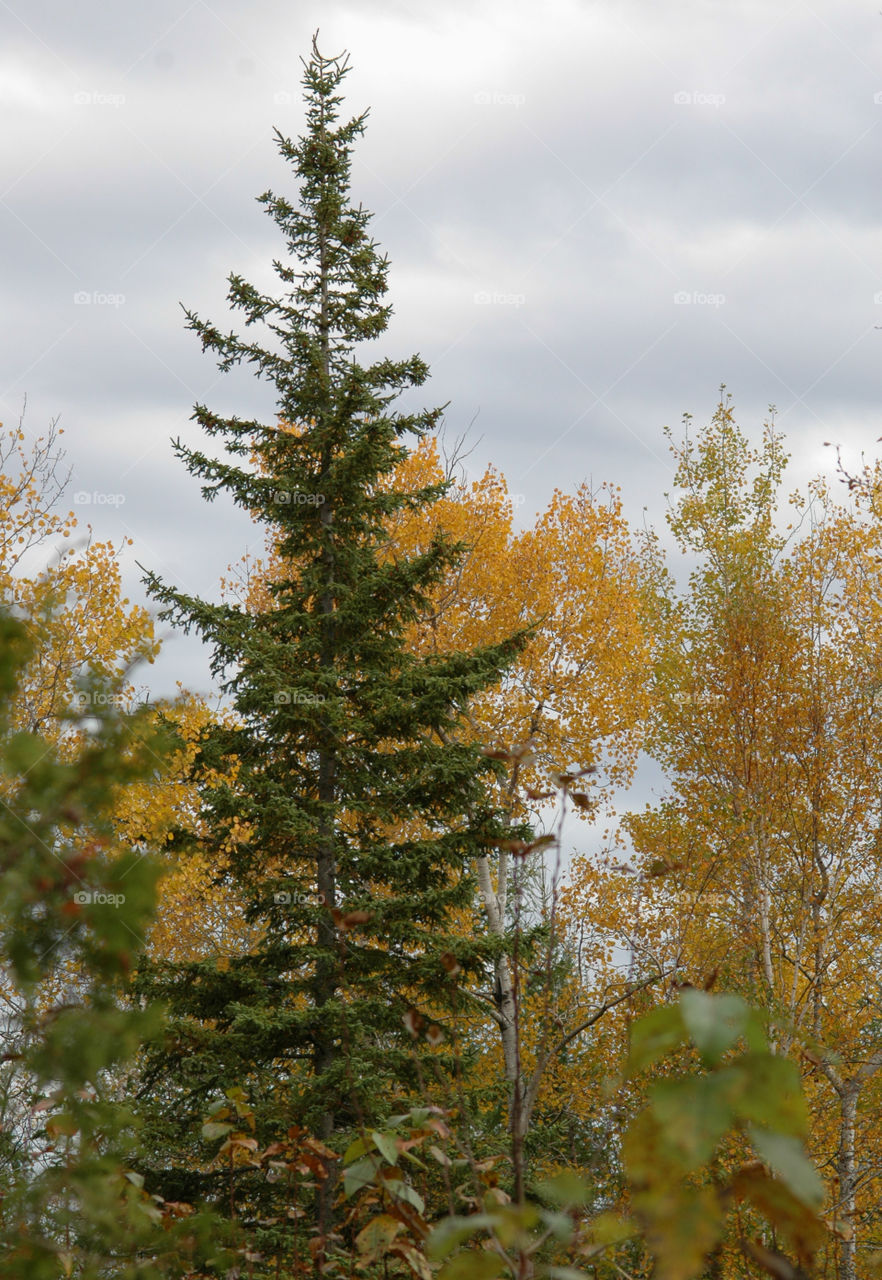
326	868
845	1168
506	1016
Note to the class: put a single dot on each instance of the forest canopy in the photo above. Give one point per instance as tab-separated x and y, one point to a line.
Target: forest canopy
370	967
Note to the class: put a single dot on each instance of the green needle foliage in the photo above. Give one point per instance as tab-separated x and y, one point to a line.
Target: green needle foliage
348	808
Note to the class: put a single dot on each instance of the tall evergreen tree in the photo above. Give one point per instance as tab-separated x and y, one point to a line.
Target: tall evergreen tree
344	803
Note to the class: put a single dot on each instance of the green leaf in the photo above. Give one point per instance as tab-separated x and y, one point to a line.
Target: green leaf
786	1156
473	1265
656	1034
356	1149
513	1221
784	1211
685	1224
24	750
359	1175
642	1149
414	1260
417	1117
610	1228
714	1022
212	1130
374	1239
62	1124
559	1224
386	1145
404	1191
774	1097
452	1231
566	1188
695	1112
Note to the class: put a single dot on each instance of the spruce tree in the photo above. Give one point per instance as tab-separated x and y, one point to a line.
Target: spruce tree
346	803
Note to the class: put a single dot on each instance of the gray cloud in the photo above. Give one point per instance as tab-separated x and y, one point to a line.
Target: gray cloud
542	193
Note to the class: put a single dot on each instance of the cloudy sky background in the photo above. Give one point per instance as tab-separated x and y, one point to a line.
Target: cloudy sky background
550	183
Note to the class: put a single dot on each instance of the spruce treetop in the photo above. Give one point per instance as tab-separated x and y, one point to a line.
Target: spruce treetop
334	282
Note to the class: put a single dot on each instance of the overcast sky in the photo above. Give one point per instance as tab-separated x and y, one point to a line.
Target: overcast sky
595	214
